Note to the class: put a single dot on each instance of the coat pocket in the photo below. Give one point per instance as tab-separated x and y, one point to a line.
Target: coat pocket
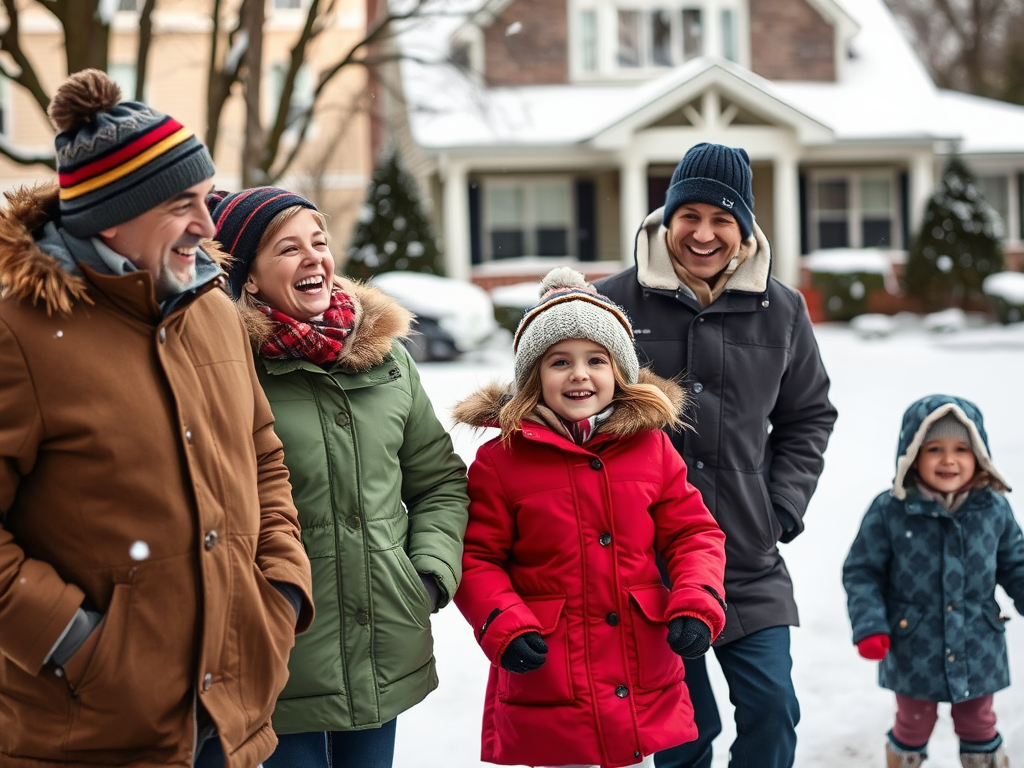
109	691
552	683
400	621
657	666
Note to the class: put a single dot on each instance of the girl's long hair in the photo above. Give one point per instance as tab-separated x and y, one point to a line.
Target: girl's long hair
641	397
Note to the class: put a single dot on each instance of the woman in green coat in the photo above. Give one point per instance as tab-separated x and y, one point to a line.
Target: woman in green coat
381	494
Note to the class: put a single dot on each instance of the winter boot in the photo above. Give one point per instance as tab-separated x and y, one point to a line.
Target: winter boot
903	758
995	759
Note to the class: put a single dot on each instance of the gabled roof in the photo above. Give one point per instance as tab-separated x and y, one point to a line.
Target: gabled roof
884	96
686	83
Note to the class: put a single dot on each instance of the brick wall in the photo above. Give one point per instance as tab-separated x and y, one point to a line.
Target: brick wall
789	40
535	51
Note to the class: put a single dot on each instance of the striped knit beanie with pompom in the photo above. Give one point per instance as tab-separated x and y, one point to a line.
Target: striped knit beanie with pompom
117	159
571	308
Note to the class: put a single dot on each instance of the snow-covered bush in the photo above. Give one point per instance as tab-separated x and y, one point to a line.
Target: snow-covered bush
845	277
1005	292
393	232
959	245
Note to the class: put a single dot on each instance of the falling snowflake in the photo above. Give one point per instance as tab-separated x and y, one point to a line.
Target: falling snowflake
139	551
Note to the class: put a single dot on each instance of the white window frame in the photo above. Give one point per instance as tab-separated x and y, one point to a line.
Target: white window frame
607	35
855	215
1007	180
302	95
125	74
530	223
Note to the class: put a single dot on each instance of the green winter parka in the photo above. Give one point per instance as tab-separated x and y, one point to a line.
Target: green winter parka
381	496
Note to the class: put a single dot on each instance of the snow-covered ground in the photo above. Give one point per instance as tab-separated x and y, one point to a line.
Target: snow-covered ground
845	713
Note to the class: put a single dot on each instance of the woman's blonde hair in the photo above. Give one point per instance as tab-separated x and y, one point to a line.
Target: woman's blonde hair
641	396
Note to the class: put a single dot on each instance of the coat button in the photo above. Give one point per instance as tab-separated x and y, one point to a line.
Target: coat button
636	753
951	657
596	464
698	387
341	419
361	617
904	623
699	465
188	436
210	540
162	335
207	681
354	522
604	539
949	607
612	618
622	691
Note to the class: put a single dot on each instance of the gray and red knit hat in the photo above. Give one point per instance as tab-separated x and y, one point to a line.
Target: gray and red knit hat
571	308
241	219
116	160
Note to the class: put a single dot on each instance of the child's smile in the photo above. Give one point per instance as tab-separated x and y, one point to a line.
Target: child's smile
946	464
576	379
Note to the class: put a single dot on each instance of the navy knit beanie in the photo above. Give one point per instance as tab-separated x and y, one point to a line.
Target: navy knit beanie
716	175
241	219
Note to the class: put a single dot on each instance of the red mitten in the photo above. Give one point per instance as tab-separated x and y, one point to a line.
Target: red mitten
874	647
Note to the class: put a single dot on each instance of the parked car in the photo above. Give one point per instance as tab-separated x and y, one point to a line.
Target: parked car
452	316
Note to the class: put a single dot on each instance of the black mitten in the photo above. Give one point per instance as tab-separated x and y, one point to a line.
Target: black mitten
525	653
689	637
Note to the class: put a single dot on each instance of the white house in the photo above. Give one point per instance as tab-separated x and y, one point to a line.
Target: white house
561	123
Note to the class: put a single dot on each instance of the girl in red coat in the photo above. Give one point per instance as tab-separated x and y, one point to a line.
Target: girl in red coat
568	508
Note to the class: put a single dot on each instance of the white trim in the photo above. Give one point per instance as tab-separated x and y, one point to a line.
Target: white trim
854	212
720	77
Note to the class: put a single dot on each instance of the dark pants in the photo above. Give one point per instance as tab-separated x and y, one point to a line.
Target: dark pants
372	748
757	669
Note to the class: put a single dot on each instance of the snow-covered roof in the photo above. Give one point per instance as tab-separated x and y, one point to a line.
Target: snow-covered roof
885	96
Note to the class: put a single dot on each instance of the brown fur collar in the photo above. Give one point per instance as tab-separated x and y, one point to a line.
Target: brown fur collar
482	407
379	321
29	273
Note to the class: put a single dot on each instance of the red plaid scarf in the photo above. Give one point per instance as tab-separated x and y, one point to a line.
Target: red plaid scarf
320	340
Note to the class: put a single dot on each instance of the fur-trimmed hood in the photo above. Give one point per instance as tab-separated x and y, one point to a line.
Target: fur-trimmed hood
379	321
654	264
481	409
27	271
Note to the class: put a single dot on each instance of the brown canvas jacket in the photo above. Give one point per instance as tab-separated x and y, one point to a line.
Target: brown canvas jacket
139	473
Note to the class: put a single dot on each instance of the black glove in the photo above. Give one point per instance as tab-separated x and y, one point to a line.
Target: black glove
525	653
689	637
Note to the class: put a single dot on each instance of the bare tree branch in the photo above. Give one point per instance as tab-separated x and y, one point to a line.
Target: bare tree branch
10	41
145	41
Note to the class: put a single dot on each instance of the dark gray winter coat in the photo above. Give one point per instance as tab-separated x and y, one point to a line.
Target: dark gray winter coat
927	577
762	417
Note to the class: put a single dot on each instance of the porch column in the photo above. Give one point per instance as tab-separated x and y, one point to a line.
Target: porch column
455	219
922	184
786	235
632	203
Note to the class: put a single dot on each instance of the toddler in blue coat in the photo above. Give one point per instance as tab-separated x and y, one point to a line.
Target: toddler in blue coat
921	578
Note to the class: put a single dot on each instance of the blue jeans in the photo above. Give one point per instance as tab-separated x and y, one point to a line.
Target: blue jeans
758	670
372	748
211	754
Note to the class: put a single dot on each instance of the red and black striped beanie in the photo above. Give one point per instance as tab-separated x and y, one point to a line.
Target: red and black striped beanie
241	219
117	160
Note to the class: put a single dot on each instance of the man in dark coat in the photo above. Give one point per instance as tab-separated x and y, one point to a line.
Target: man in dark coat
704	304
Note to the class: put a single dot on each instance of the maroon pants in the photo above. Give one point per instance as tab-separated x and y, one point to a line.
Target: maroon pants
973	720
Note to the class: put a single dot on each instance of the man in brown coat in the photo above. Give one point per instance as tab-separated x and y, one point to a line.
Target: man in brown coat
152	578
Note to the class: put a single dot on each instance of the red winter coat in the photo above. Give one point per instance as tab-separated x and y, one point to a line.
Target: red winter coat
561	541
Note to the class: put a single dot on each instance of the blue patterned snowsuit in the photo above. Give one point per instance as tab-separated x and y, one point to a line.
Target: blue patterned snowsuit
927	577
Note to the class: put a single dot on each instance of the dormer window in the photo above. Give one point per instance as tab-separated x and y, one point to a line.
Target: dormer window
631	38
